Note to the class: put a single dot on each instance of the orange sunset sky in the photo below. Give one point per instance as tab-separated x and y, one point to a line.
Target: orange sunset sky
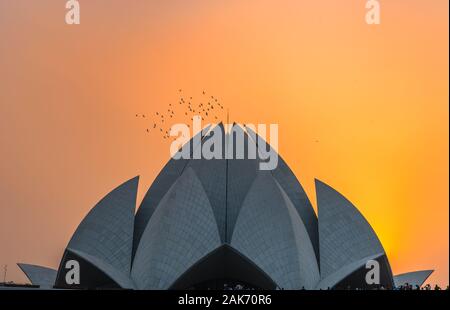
361	107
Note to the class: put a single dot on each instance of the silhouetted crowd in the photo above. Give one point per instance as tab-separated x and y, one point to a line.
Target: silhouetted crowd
405	287
237	287
428	287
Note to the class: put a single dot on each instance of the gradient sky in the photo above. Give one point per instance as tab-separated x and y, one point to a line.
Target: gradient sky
374	97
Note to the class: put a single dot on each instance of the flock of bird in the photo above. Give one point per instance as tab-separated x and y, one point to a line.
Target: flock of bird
209	109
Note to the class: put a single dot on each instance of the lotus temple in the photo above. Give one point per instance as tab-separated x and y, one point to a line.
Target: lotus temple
213	224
